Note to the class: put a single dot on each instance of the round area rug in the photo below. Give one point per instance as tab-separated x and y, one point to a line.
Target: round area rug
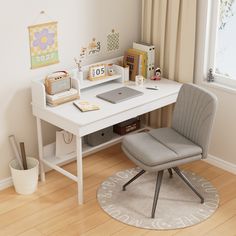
177	206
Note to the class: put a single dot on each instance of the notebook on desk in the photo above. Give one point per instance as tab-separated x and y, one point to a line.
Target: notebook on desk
119	95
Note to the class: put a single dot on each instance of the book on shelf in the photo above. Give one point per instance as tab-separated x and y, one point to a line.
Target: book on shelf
132	60
85	106
150	50
142	65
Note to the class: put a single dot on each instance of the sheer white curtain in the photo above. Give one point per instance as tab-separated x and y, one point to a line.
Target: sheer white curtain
170	25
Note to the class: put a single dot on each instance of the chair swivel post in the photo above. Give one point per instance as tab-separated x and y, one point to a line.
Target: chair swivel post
170	172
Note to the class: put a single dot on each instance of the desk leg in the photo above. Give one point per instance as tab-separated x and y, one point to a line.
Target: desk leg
79	169
40	147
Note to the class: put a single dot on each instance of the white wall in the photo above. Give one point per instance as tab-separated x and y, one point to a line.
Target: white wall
224	131
224	135
78	22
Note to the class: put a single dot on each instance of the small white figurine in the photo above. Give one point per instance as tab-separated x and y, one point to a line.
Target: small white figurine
157	75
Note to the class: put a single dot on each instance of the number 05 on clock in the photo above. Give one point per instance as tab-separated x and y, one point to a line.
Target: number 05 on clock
97	72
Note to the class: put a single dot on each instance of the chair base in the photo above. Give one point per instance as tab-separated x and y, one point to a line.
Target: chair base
184	178
134	178
157	190
158	185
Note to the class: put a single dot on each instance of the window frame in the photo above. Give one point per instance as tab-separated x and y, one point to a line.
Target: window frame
212	44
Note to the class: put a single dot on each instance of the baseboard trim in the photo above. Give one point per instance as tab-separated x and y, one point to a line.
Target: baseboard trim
5	183
225	165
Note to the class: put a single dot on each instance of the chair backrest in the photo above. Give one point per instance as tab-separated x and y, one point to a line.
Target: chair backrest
194	114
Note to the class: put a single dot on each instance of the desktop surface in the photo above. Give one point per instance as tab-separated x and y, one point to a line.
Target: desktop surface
68	112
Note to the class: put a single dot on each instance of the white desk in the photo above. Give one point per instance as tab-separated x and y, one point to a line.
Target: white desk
69	118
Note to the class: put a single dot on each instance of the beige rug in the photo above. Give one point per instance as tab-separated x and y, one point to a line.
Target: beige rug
177	206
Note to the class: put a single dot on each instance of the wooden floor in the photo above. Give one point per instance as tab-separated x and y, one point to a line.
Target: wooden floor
53	209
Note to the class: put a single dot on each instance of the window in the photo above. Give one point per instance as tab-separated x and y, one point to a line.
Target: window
222	47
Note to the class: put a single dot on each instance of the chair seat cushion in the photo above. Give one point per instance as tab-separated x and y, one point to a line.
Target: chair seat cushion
159	146
182	146
147	149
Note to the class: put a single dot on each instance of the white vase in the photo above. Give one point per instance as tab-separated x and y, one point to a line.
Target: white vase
80	76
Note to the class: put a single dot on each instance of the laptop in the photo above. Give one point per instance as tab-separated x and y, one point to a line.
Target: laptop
119	95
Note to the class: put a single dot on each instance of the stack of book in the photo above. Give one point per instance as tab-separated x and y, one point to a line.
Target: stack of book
141	60
63	97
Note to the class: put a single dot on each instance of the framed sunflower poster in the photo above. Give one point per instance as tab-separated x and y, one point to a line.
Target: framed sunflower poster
43	44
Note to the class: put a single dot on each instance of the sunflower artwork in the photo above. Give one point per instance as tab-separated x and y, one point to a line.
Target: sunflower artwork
43	44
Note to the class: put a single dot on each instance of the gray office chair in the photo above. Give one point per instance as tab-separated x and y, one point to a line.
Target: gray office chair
186	141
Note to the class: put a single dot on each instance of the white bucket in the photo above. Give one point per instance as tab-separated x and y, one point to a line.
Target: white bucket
25	181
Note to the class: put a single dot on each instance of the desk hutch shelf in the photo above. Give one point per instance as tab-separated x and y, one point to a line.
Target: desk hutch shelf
121	74
88	83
